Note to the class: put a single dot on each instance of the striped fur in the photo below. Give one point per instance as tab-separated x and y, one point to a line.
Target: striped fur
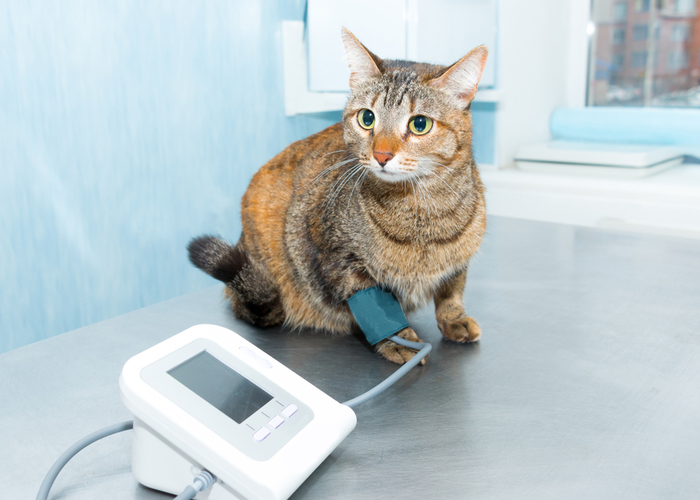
322	220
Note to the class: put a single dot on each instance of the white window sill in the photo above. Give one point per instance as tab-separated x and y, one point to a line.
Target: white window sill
665	203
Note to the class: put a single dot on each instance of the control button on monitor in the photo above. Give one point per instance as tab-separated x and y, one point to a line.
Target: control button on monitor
276	422
261	434
289	411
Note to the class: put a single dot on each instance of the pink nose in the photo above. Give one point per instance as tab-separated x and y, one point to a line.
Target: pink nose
382	157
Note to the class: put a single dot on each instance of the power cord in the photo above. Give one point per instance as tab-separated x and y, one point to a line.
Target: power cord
73	450
201	481
205	479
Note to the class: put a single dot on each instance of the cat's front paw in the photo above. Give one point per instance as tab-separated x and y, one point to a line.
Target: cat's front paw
397	353
464	329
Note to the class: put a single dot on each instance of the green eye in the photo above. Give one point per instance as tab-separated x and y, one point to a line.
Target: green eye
366	119
420	125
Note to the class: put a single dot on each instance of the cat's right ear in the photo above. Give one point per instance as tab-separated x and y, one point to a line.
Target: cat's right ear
362	62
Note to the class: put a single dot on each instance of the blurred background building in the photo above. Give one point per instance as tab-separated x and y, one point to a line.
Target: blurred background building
646	52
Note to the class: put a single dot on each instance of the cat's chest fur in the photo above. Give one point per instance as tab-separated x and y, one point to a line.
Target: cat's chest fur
412	250
414	274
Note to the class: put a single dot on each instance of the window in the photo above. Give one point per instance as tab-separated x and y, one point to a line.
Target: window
684	6
619	36
678	59
620	11
618	61
639	59
680	33
640	32
641	5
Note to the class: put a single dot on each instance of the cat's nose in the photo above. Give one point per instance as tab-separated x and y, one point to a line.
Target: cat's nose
382	157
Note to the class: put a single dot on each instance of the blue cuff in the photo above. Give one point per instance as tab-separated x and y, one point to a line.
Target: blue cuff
378	313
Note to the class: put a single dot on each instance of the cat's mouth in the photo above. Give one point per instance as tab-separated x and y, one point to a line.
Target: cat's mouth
389	175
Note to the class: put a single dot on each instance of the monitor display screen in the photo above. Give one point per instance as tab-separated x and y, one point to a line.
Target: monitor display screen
222	387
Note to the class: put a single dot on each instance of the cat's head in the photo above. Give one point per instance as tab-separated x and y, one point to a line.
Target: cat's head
407	119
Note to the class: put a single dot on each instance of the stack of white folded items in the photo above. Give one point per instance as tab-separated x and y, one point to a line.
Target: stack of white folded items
598	158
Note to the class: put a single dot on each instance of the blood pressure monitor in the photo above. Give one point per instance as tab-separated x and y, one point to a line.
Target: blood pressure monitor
208	399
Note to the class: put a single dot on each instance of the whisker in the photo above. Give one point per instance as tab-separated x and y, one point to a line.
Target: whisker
415	204
332	152
334	187
347	159
333	195
440	164
327	170
436	175
361	177
348	178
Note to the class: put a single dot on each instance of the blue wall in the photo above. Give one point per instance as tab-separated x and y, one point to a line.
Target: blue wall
484	132
126	128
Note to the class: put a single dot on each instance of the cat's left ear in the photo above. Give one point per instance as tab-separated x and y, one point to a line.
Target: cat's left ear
461	80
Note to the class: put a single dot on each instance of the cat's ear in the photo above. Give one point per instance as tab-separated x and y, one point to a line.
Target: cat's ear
362	62
461	80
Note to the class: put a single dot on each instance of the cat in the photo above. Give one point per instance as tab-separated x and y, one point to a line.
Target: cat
388	197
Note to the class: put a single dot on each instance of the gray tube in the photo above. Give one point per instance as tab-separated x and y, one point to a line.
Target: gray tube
423	350
187	494
73	450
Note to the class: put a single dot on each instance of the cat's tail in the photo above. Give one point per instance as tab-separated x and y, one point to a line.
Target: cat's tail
254	296
216	257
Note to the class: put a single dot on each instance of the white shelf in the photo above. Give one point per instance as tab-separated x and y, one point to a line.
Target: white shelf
298	99
665	203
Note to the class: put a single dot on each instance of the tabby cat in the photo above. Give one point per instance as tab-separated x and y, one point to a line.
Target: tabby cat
390	196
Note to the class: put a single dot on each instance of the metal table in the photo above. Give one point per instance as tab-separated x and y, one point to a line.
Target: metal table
586	383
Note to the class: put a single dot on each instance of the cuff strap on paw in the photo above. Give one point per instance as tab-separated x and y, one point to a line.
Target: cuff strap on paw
378	313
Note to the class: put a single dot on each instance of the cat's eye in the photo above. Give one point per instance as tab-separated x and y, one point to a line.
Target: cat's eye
366	119
420	125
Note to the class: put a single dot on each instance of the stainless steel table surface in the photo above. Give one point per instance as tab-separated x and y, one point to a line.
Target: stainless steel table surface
586	383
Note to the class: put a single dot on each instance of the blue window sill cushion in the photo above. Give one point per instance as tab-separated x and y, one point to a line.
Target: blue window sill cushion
628	125
378	313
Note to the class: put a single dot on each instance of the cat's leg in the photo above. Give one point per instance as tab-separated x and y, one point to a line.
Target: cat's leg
254	296
397	353
449	310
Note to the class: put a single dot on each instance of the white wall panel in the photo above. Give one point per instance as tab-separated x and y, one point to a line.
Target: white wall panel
379	24
439	32
444	31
